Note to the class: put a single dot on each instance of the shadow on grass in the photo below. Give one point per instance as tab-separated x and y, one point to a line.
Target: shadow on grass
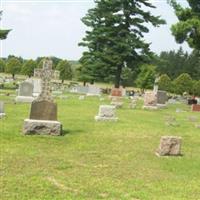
70	132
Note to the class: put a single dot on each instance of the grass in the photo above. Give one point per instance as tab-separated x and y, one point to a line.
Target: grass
103	160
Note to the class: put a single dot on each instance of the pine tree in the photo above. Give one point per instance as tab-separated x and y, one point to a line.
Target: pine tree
188	27
115	38
3	33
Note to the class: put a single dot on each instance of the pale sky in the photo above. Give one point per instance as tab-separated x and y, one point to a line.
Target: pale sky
54	28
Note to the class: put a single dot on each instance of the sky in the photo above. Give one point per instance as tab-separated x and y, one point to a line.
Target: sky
54	28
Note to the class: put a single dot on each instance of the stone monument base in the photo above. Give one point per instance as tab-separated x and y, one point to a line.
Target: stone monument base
42	127
150	107
161	105
99	118
24	99
2	115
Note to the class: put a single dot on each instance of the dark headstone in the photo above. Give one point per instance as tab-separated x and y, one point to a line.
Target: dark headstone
43	110
192	101
162	97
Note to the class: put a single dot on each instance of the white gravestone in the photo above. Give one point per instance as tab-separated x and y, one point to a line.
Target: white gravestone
25	92
2	112
106	113
93	91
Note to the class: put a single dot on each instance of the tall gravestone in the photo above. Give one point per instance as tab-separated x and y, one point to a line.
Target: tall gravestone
25	92
2	112
43	114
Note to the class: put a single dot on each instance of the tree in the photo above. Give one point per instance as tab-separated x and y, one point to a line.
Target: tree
164	82
115	39
65	70
146	77
196	88
13	66
188	27
3	33
2	65
127	77
28	68
183	83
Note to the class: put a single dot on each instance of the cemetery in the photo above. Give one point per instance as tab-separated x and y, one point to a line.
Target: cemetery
113	125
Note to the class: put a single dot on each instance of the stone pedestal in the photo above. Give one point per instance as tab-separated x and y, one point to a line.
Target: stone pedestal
169	146
24	99
106	113
42	127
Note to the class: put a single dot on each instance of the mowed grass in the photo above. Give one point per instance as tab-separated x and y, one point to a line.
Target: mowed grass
98	160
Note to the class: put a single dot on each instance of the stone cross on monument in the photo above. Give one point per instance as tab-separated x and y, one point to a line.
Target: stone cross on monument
46	75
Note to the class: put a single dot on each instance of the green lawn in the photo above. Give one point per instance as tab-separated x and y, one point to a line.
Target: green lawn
98	160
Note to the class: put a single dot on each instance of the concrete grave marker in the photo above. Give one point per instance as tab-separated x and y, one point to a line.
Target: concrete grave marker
169	146
106	113
2	112
25	92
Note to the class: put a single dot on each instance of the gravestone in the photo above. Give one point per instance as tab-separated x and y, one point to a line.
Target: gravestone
43	115
37	87
2	112
117	102
106	113
150	100
25	92
161	97
80	89
169	146
116	92
196	108
93	91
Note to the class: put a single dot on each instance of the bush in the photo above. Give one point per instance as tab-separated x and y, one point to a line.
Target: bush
196	88
182	84
165	83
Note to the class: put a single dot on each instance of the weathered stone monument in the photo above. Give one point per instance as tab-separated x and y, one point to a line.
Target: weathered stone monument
150	100
169	146
25	92
2	112
106	113
43	114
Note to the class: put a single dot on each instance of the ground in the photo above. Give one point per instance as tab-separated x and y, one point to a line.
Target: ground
98	160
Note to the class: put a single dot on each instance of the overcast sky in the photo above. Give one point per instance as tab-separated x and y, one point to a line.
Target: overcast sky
54	28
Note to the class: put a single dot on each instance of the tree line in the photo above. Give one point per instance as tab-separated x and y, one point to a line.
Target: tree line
116	51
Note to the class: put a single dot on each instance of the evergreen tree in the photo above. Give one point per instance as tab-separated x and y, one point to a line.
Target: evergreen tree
146	77
115	39
65	70
188	27
3	33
